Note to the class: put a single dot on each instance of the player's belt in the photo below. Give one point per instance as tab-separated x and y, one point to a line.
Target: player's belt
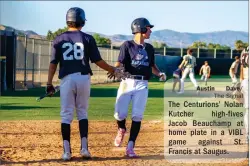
138	77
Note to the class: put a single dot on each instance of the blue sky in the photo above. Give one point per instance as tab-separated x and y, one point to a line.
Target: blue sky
113	17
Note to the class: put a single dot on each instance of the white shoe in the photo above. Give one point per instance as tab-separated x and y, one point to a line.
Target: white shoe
85	153
119	137
66	156
198	92
180	92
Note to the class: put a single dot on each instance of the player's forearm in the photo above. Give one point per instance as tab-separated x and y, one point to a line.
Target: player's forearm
52	71
241	72
182	63
180	66
232	71
155	70
102	64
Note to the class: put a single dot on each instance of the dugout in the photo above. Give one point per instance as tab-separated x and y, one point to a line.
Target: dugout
8	50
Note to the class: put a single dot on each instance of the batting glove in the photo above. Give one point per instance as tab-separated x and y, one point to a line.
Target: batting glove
163	77
50	89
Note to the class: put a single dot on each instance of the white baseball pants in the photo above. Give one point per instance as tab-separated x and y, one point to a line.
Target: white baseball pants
74	94
135	91
245	92
233	78
204	77
187	71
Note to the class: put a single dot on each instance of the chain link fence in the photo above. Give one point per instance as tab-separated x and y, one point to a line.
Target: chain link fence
33	59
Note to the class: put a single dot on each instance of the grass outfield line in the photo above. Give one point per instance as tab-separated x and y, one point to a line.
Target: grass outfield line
22	105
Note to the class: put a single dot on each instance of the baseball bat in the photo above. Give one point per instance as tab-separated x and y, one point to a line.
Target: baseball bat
57	88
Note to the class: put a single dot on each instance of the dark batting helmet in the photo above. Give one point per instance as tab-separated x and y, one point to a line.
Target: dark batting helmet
140	25
77	15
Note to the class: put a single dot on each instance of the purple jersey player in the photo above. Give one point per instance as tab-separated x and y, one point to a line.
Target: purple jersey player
177	74
73	50
137	57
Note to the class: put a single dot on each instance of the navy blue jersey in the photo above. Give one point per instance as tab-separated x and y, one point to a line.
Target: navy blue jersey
137	60
177	73
73	50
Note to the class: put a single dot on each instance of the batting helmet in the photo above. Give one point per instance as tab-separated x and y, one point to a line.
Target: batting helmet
77	15
140	25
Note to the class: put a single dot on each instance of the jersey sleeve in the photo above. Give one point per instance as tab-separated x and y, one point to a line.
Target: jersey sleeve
185	58
122	53
233	65
55	57
94	53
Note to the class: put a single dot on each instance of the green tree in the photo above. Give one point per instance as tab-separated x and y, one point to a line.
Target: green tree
101	40
198	44
52	35
239	45
49	35
159	44
246	45
211	46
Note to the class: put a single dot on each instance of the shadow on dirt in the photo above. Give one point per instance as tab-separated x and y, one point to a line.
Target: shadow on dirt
12	106
80	159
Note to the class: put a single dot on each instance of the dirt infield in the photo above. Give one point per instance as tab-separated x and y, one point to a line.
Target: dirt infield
39	143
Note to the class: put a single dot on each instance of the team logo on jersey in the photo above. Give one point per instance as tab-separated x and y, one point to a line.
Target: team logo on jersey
245	59
141	58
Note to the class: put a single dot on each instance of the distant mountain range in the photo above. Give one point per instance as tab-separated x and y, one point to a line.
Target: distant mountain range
170	37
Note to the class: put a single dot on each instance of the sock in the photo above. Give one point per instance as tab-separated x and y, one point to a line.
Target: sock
83	127
130	145
65	130
121	124
134	131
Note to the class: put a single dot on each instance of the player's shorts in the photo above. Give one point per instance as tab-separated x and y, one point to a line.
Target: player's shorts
176	75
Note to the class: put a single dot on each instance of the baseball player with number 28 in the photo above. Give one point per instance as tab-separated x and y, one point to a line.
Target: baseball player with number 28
137	57
72	50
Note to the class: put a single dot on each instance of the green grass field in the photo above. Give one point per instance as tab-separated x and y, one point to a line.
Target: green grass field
22	105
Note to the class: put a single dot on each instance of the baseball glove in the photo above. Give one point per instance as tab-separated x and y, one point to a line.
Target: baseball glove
119	73
50	90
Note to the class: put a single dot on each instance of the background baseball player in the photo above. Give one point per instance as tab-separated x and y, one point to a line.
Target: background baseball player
233	70
177	79
244	73
205	72
73	50
138	59
188	62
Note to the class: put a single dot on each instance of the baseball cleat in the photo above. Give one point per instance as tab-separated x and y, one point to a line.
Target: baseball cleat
130	153
66	156
85	153
119	137
180	92
198	92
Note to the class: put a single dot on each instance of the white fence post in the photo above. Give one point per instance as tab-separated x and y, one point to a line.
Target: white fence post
231	54
39	62
164	51
33	65
198	52
214	53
